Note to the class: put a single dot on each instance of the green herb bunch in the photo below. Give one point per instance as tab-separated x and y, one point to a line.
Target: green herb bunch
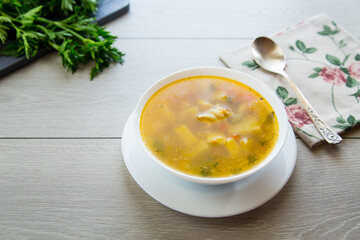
64	25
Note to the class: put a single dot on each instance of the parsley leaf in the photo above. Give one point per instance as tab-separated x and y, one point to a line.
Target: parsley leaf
28	25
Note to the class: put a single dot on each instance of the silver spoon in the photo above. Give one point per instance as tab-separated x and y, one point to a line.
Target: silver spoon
271	58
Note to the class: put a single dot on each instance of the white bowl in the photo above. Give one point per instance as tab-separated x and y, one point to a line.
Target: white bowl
246	79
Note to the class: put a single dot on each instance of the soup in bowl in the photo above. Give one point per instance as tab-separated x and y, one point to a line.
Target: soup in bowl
211	125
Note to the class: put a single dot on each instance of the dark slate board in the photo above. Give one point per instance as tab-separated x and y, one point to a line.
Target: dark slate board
107	11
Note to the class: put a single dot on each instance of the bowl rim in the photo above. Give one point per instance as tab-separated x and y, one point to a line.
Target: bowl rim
239	76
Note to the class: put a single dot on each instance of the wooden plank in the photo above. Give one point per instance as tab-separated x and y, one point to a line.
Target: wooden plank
42	100
78	188
228	18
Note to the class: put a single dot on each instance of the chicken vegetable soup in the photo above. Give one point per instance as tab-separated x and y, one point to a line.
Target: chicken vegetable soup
209	126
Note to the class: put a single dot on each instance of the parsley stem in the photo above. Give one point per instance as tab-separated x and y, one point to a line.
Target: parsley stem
19	33
6	15
30	25
66	28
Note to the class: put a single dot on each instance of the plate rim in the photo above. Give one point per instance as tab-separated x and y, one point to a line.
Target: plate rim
286	176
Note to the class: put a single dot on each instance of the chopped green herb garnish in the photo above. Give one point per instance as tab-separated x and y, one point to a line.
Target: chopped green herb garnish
235	171
252	158
159	147
205	171
66	26
262	142
229	99
270	117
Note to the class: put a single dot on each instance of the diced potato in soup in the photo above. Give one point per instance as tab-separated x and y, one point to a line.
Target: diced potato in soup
209	126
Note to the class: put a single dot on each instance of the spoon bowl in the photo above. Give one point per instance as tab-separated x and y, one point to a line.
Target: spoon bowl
272	58
268	55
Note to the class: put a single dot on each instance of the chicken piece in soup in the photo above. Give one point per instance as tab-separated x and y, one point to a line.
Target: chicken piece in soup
209	126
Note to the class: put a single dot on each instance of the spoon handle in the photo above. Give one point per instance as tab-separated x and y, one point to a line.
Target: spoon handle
326	132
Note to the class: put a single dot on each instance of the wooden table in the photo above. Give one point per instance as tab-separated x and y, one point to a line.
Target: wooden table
62	174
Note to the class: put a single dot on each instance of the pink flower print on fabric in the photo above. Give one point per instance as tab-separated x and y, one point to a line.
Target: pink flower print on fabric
354	69
297	116
333	75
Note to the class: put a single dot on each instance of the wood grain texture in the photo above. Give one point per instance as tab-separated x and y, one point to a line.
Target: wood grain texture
81	189
159	37
62	174
228	18
42	100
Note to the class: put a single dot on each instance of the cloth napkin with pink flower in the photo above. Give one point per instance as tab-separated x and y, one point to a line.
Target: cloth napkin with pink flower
323	59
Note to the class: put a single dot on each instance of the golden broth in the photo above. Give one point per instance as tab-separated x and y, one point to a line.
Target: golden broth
209	126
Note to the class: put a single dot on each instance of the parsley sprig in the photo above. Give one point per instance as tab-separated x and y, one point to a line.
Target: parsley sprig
27	26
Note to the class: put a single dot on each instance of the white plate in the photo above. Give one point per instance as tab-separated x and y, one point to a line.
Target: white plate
207	200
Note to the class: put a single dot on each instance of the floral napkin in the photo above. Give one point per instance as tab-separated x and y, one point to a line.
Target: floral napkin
323	59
